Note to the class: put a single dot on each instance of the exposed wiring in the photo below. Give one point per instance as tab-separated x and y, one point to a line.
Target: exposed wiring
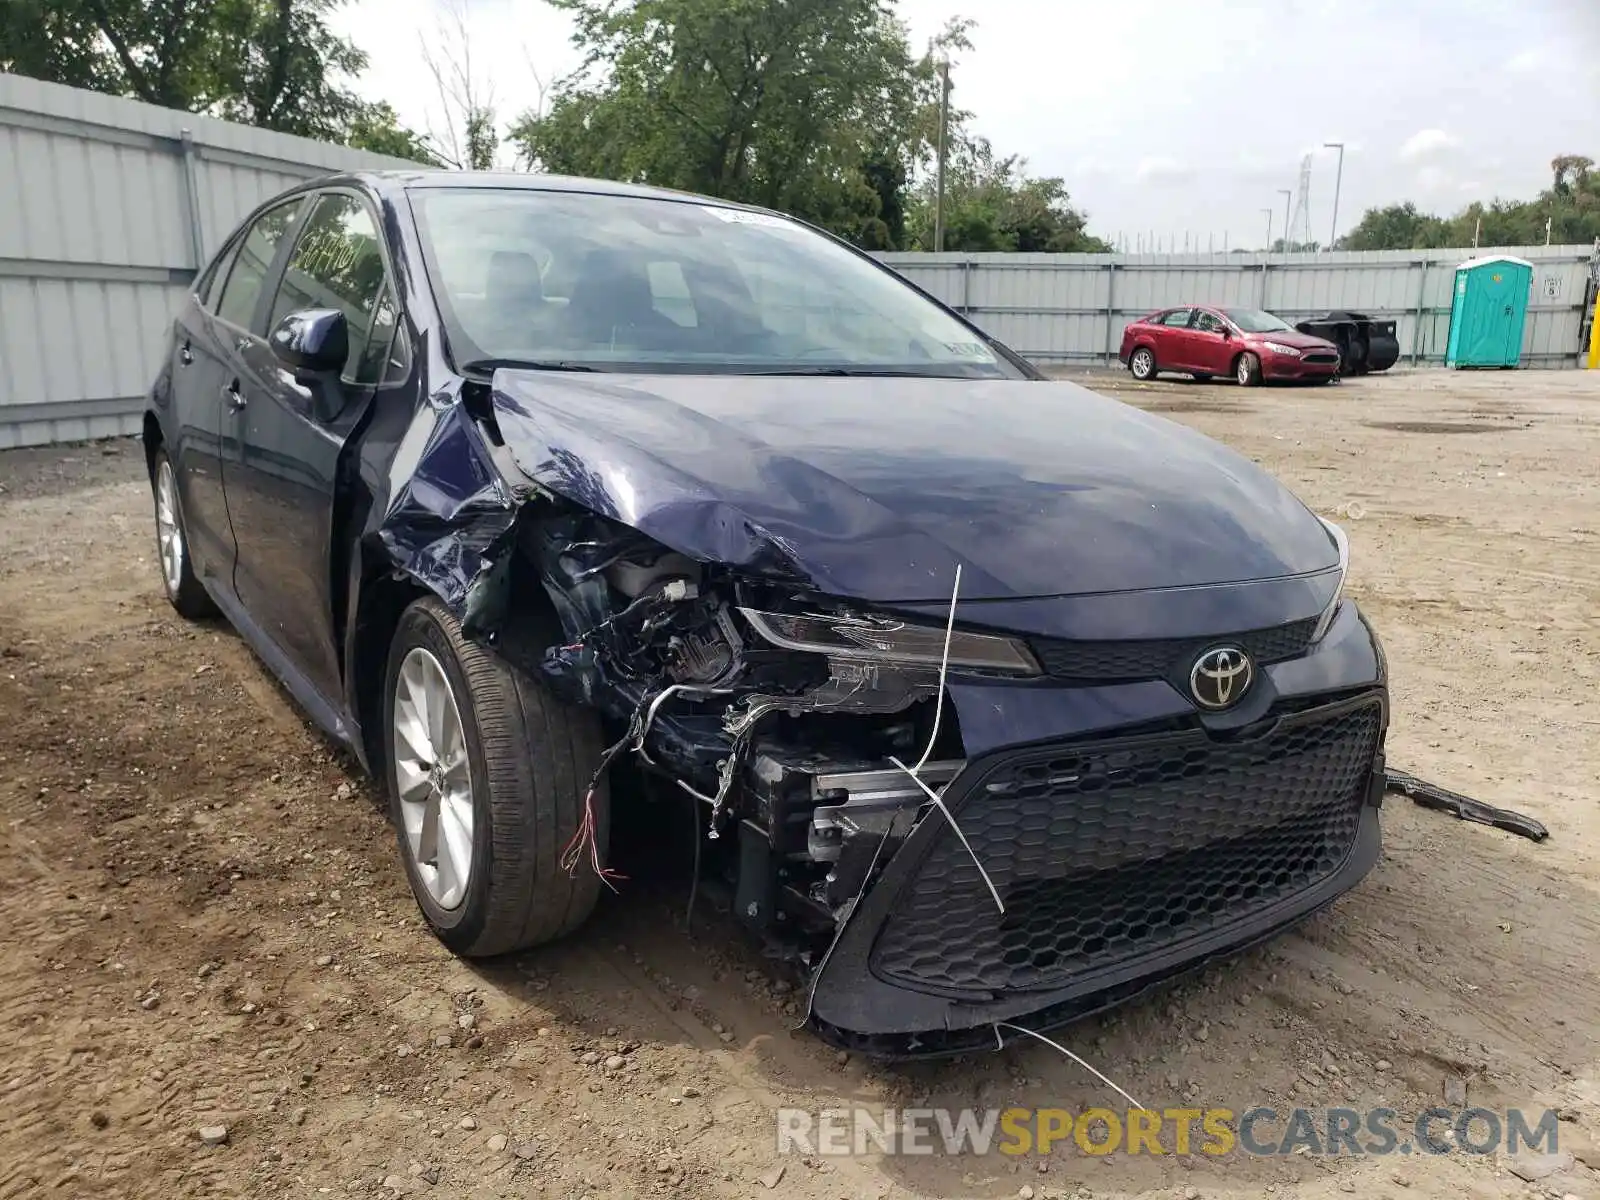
585	841
695	800
1100	1075
938	802
944	667
938	712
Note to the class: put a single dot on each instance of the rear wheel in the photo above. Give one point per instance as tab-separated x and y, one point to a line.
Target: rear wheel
1247	370
1142	363
487	775
184	591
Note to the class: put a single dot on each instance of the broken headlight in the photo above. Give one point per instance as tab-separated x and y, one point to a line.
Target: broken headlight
1343	544
889	640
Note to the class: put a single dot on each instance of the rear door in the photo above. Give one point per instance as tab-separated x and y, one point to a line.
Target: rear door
205	367
283	485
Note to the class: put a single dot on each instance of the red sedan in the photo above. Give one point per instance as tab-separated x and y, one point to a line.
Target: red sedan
1246	343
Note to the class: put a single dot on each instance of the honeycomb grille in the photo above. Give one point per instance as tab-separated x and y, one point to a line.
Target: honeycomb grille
1158	658
1107	851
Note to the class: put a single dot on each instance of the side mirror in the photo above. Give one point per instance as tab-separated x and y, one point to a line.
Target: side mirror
313	341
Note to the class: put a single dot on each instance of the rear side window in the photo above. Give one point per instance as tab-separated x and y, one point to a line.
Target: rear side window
252	263
337	263
1178	317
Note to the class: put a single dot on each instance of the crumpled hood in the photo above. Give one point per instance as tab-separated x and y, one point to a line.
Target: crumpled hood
876	488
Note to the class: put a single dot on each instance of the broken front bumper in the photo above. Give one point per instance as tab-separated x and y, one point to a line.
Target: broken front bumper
1120	861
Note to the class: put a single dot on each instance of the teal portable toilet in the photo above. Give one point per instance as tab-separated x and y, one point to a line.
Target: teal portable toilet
1488	312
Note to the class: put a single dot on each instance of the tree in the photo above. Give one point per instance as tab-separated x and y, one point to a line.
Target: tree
1396	227
469	140
994	204
1571	205
377	128
814	107
270	63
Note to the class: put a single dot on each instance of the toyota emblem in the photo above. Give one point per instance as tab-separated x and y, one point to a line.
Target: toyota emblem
1221	677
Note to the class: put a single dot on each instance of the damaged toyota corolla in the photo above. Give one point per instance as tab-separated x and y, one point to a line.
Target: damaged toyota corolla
996	701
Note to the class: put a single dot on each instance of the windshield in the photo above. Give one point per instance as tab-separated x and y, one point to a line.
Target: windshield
632	283
1253	320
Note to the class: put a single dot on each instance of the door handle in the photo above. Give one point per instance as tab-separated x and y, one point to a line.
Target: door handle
185	355
236	401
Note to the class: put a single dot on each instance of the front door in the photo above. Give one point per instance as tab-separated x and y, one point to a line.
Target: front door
1210	346
1173	349
283	487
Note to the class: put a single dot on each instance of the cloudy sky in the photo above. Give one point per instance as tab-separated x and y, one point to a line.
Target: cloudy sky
1170	118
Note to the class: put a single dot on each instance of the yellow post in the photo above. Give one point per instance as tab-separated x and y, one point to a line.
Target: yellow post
1594	338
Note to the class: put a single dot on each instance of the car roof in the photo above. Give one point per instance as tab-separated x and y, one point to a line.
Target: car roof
391	183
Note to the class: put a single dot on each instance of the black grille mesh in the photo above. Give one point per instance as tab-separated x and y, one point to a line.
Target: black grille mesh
1107	851
1160	658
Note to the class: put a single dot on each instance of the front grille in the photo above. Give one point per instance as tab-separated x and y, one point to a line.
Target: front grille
1321	358
1107	851
1159	658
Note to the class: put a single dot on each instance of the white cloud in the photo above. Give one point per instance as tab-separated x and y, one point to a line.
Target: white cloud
1159	169
1433	179
1426	143
1525	62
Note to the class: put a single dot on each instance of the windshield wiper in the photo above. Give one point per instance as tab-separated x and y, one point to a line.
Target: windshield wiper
855	372
488	366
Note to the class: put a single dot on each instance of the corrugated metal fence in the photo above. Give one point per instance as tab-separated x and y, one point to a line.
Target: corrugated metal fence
1072	308
107	209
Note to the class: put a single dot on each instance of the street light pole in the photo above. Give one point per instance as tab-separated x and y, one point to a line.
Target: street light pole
1287	195
1268	211
944	135
1338	178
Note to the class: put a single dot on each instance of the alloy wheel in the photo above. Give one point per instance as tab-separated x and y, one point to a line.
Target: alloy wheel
434	778
169	537
1143	364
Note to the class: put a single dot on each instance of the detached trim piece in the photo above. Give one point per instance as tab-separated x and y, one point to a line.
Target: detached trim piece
1431	795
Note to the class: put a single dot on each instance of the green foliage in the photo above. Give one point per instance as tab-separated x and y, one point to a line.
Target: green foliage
376	127
814	107
1571	204
270	63
994	204
817	108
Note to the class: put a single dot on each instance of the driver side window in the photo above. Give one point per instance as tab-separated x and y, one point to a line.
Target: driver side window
1209	323
337	263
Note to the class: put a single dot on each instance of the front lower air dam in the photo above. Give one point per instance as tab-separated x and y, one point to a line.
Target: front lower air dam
1121	862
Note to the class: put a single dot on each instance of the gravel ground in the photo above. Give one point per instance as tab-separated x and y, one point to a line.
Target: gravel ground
215	982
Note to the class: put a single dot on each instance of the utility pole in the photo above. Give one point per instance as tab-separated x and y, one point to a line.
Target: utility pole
1288	195
1338	178
944	138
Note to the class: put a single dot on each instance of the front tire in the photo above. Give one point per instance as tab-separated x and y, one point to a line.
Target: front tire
184	592
486	776
1142	364
1247	370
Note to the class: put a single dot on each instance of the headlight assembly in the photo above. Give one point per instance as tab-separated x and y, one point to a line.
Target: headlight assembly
1343	544
890	640
1280	348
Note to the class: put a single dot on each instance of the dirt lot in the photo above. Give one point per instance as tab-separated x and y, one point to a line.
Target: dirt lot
207	923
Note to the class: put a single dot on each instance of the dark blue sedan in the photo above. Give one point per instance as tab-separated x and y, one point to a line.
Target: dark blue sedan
994	701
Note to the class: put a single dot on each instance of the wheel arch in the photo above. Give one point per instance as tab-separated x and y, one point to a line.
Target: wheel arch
152	437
